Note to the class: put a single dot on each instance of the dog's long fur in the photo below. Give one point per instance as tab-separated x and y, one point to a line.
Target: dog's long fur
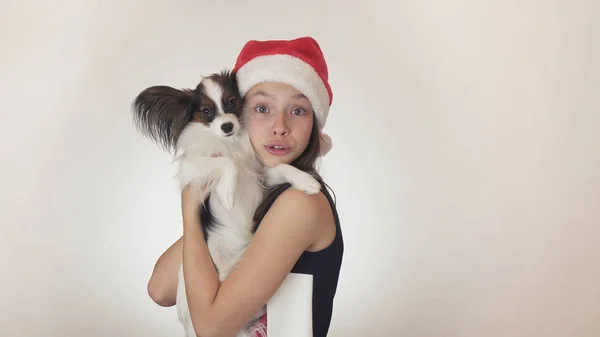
204	128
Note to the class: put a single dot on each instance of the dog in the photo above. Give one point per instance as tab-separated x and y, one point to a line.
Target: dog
204	128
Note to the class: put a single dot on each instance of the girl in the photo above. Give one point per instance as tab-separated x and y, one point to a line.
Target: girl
287	98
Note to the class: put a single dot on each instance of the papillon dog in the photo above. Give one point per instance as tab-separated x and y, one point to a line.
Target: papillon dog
204	128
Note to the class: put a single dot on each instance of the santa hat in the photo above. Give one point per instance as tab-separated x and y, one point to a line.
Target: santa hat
299	63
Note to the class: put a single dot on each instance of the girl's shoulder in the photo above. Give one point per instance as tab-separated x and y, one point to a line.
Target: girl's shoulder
287	197
315	212
294	202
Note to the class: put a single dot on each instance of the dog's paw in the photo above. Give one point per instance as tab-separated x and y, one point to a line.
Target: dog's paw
225	194
225	188
304	182
185	174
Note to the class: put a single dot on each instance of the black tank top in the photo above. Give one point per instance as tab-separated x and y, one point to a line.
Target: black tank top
324	266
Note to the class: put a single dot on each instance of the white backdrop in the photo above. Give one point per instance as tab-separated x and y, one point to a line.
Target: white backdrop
466	160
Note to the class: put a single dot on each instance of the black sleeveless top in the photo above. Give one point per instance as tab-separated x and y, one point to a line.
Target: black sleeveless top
324	266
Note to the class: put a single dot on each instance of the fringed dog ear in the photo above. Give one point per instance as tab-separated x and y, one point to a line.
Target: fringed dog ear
161	113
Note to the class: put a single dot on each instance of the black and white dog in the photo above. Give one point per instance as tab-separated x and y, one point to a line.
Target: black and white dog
204	129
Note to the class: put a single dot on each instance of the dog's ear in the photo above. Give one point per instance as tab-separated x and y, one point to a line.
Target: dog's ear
161	113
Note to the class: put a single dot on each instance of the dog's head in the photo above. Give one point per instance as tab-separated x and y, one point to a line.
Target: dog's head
162	112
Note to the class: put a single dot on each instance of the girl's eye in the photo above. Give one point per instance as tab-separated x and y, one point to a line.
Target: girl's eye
298	111
261	109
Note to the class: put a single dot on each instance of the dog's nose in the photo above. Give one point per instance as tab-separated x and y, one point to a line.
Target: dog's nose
227	127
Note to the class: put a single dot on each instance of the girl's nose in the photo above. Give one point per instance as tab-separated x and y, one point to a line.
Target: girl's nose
280	127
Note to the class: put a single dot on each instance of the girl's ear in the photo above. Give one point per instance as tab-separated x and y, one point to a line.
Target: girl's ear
161	113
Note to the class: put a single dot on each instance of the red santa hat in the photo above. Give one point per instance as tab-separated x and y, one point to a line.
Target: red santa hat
299	63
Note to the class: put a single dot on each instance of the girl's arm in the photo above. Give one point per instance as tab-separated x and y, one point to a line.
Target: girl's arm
291	226
162	286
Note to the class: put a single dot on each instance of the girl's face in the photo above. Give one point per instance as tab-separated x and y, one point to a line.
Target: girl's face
279	120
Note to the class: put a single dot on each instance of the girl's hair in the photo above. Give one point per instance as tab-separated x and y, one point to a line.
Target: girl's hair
305	162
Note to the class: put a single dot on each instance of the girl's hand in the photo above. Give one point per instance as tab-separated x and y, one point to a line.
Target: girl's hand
191	200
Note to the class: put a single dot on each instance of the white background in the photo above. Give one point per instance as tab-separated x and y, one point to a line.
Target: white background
466	160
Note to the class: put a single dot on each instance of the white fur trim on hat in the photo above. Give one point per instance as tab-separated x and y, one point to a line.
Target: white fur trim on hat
289	70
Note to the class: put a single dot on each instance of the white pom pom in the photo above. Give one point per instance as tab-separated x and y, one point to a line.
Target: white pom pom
325	144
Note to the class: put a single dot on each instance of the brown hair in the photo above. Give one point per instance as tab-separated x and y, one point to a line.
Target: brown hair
305	162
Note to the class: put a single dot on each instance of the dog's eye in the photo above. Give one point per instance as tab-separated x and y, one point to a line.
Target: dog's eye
206	111
231	103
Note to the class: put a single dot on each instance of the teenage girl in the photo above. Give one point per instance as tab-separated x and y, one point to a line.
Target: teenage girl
287	98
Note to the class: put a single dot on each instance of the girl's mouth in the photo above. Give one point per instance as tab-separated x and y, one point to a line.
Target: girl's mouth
277	149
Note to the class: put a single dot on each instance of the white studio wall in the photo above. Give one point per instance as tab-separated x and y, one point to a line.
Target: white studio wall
466	160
